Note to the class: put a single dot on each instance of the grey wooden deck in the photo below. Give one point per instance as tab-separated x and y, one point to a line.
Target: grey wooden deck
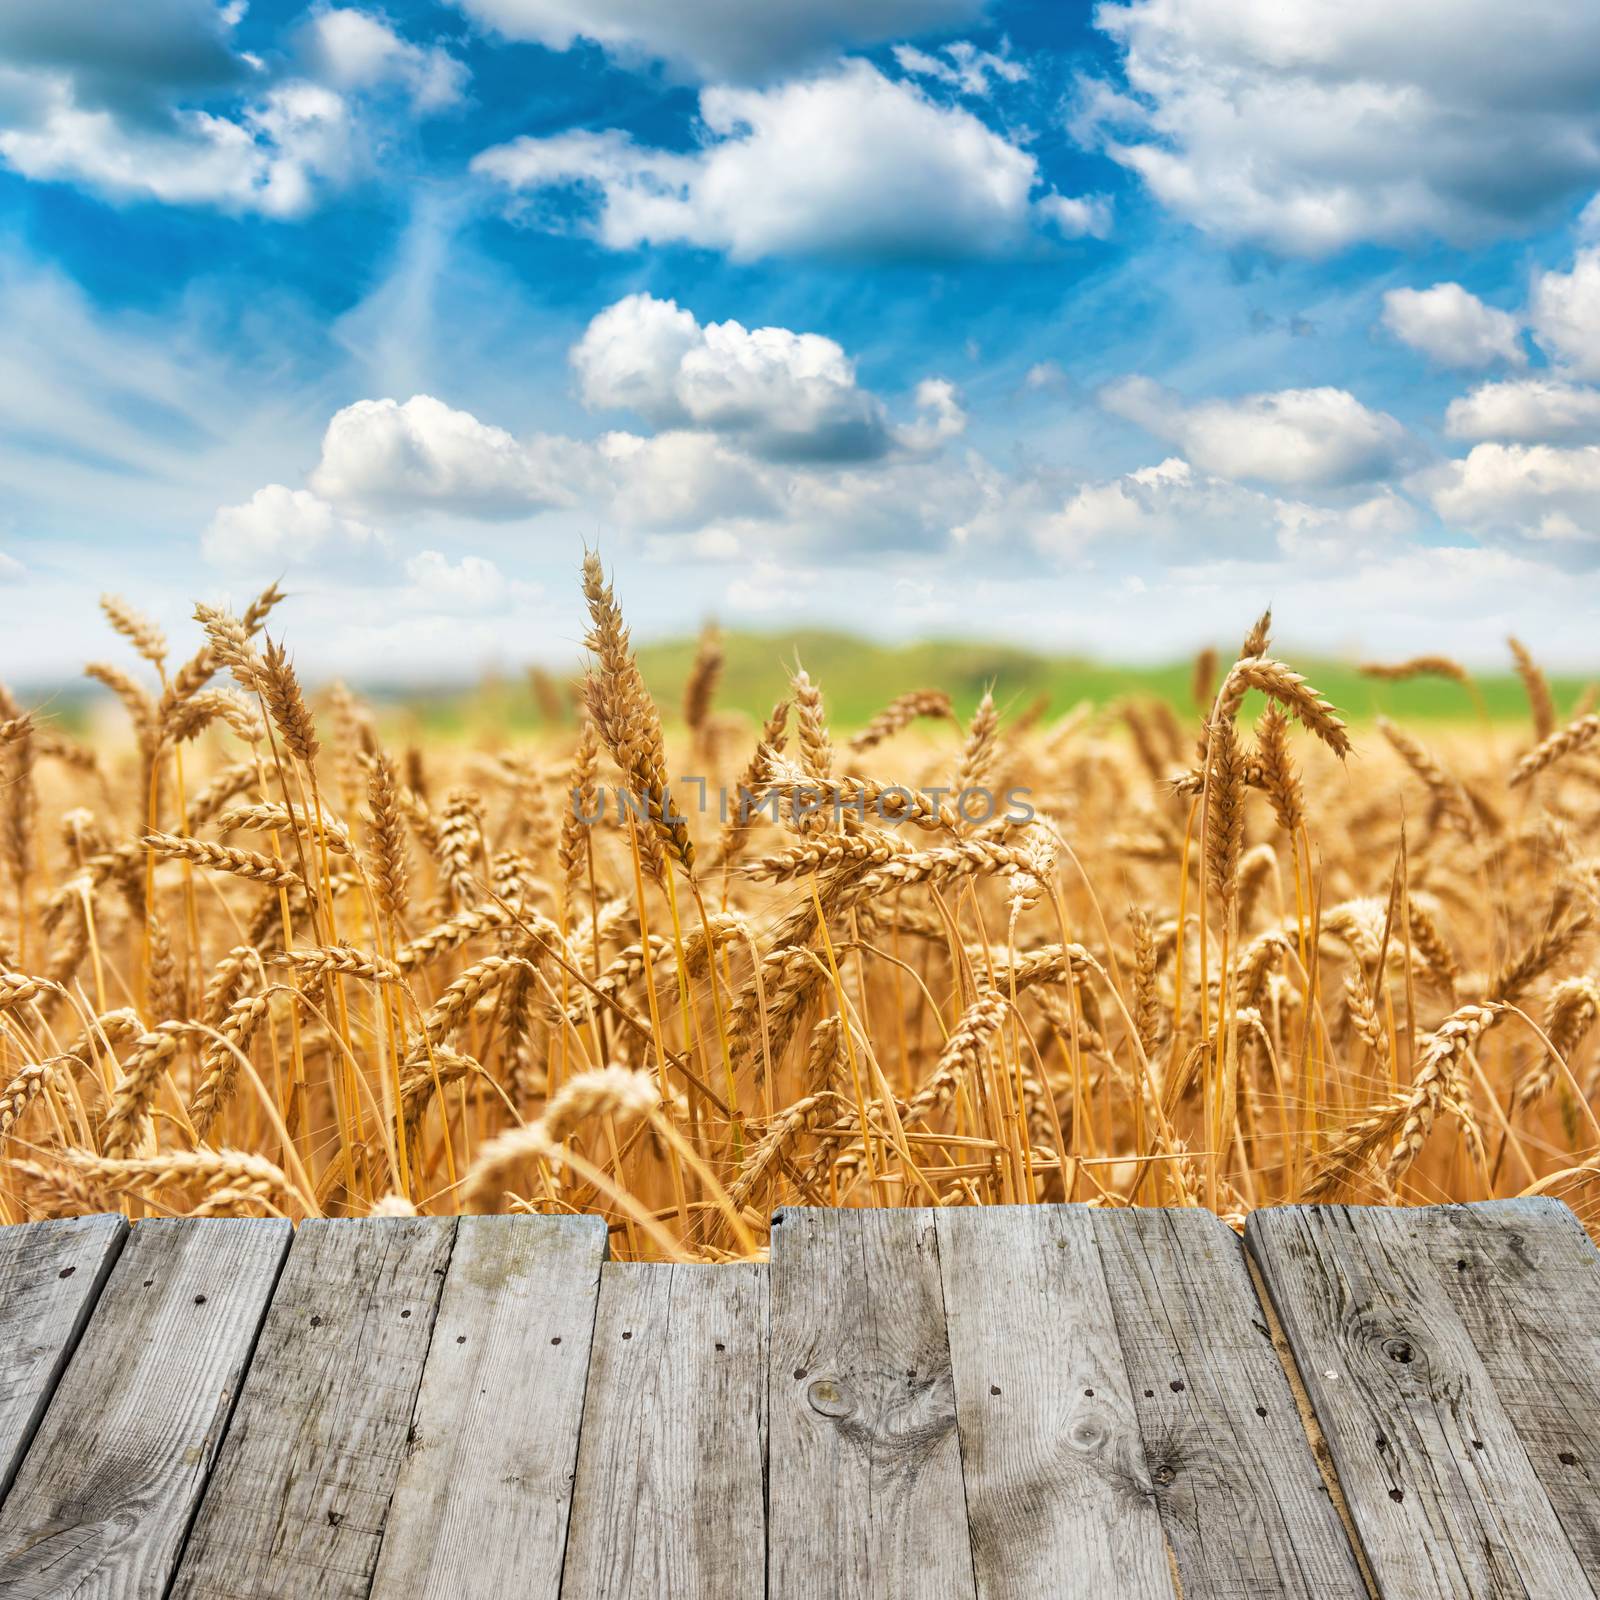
996	1404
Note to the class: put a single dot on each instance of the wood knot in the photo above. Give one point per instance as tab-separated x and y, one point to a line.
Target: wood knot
1087	1433
1400	1350
829	1399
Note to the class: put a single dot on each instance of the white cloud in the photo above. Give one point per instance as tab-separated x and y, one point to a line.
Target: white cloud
1564	310
279	527
1077	216
155	103
681	482
961	66
1453	327
847	164
788	396
1329	535
909	503
472	586
11	570
771	586
268	161
424	454
1537	492
723	39
1292	437
1526	410
424	457
352	49
941	416
1313	126
1149	522
1169	503
1164	544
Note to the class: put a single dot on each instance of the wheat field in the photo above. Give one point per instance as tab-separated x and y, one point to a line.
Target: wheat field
682	973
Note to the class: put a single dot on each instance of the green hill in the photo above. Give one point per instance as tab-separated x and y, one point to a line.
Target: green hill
858	677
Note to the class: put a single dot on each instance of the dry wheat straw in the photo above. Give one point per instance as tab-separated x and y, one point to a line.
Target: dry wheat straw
890	1005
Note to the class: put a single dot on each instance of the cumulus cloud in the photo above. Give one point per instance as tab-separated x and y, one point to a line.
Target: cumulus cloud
1526	410
425	458
470	587
353	49
846	164
155	103
1539	493
280	527
1329	534
1160	518
268	160
1453	327
681	482
1291	437
126	58
1281	123
425	454
1564	310
723	39
699	487
788	396
1076	216
940	416
1169	503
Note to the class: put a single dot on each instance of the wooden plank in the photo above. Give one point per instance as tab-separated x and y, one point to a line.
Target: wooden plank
1524	1278
1242	1501
482	1501
103	1499
296	1506
1057	1492
865	1491
51	1274
1438	1482
669	1491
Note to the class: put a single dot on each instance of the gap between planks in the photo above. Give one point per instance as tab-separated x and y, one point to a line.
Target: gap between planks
1320	1453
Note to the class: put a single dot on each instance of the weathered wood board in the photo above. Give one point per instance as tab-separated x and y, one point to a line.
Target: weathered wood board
1437	1478
669	1490
1242	1500
1525	1280
51	1274
1057	1491
953	1404
297	1503
482	1501
866	1499
105	1495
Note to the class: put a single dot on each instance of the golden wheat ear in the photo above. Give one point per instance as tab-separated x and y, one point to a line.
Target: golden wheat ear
253	963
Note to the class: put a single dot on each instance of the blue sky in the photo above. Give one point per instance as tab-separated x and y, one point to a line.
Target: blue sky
1094	327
